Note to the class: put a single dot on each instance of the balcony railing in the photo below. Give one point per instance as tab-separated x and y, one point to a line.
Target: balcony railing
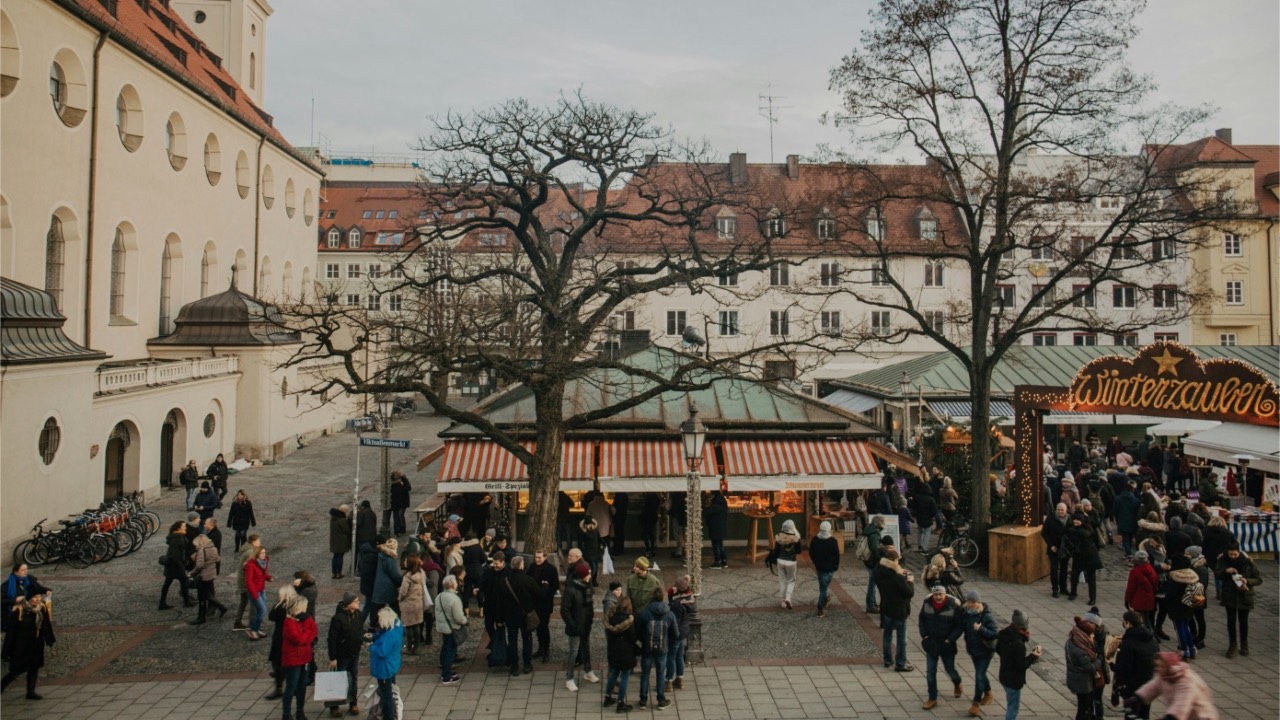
151	373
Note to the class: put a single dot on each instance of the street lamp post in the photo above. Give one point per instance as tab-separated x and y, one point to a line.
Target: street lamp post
694	436
386	405
905	386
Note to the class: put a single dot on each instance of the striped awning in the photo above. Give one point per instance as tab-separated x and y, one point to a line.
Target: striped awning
963	409
652	466
797	457
485	466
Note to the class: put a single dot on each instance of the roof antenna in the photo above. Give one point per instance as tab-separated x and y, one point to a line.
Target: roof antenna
768	111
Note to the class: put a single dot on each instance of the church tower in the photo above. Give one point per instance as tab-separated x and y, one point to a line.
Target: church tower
237	31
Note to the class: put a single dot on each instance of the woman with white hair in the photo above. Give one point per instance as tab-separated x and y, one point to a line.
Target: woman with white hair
286	595
384	660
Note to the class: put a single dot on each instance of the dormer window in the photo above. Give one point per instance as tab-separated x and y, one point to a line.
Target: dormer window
775	226
928	224
874	225
493	239
1108	203
826	229
726	225
335	237
353	238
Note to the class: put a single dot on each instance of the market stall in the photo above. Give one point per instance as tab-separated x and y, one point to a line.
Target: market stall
1255	530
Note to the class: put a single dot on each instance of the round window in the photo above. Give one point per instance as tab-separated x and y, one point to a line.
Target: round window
201	16
50	439
210	424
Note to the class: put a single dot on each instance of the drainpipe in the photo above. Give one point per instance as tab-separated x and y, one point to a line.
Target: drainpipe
1271	269
93	194
257	215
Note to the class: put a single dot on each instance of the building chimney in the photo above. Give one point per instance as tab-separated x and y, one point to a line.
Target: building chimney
793	167
738	168
1223	134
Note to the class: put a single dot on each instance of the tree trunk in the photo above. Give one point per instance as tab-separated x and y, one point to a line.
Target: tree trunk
544	473
980	419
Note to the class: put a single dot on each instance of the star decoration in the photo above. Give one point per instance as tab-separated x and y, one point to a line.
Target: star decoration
1167	363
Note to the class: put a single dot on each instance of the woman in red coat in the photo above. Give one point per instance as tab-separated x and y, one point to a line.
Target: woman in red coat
1144	583
296	654
256	578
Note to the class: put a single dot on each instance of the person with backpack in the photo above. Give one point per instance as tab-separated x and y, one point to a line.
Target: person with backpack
1011	646
681	600
1201	568
1183	592
869	550
658	633
824	552
980	633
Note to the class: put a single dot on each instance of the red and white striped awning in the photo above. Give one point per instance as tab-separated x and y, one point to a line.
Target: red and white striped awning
799	465
651	466
485	466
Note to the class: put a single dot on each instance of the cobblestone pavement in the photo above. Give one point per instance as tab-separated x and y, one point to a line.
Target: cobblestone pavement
118	655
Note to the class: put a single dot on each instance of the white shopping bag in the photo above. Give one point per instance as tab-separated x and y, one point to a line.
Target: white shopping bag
331	686
606	564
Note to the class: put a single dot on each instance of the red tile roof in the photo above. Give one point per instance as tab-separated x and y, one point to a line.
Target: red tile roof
154	31
1213	150
1264	173
348	201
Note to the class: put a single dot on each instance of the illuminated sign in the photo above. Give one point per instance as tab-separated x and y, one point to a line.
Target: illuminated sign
1167	378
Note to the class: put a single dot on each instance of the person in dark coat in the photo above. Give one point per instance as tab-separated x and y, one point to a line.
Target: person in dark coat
564	521
620	643
1126	507
1155	461
218	474
286	597
649	514
344	641
367	564
1083	544
240	517
940	628
522	592
547	579
980	633
717	521
1011	646
16	589
190	480
1054	533
677	517
576	611
339	537
1076	455
30	632
824	552
1239	577
206	501
621	503
1176	541
589	542
387	578
925	508
175	565
896	590
1217	538
366	525
400	489
1084	663
1135	661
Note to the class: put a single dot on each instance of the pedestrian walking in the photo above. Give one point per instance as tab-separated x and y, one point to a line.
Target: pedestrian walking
449	619
945	571
1142	588
1054	532
824	553
1239	577
339	537
387	578
15	591
212	532
1203	573
650	511
384	660
1182	593
658	633
875	552
1134	663
240	517
576	610
400	489
925	508
297	655
1186	695
896	590
786	545
256	578
940	628
680	601
246	553
175	565
601	511
206	501
205	572
620	640
1084	667
305	585
980	633
30	632
414	602
190	480
218	472
1125	510
344	642
1217	538
547	581
286	596
589	543
522	591
717	522
1082	541
1015	658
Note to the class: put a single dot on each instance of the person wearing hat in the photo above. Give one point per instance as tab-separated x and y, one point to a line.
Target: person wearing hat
206	501
1012	647
641	584
896	590
339	537
576	611
787	545
451	530
344	642
980	633
940	626
1186	695
30	632
824	552
1134	661
1084	665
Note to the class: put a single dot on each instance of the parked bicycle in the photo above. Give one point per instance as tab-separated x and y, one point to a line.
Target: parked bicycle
118	527
957	538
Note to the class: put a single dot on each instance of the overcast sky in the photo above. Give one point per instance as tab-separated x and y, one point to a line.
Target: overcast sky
379	69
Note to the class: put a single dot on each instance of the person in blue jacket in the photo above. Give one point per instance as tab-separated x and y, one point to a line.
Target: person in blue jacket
384	659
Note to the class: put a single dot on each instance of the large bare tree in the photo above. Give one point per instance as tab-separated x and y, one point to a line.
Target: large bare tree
1055	173
539	227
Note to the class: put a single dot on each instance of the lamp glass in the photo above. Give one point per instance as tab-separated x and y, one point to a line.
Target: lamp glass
386	403
694	435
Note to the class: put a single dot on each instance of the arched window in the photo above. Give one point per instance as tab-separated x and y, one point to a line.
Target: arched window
253	71
204	274
335	237
353	238
116	304
166	289
54	260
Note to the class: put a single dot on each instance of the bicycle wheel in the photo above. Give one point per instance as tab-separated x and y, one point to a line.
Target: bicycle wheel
19	552
41	551
79	554
152	521
966	551
103	547
132	536
124	540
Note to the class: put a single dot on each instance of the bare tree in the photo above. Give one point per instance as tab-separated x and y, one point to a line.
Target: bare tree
540	224
1043	161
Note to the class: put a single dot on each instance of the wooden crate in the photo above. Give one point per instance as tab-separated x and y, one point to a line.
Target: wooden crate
1017	554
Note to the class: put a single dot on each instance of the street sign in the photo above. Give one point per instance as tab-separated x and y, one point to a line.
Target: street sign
384	443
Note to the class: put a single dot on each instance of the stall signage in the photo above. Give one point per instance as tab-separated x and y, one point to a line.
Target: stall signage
384	442
1167	378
